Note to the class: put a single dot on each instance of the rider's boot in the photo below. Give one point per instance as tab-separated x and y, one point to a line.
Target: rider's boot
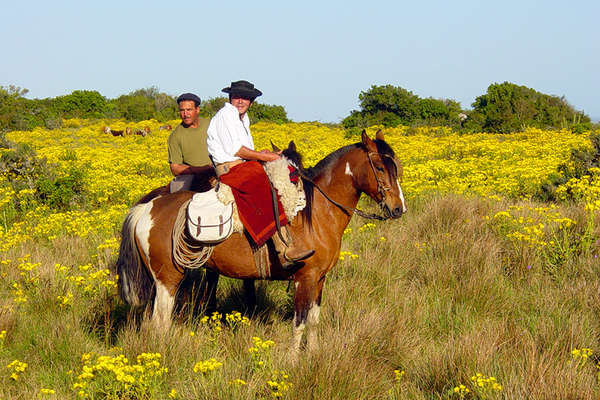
289	254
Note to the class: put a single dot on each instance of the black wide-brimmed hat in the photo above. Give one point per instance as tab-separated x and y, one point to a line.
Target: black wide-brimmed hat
243	89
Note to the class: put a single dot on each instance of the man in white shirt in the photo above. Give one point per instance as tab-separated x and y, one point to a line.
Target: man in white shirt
229	140
230	144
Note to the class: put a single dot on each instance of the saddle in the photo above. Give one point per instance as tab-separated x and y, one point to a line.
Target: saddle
212	216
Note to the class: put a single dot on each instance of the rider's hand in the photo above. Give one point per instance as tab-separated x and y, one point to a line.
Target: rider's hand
269	155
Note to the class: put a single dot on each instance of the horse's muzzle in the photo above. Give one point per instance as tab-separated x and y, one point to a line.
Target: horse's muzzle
392	213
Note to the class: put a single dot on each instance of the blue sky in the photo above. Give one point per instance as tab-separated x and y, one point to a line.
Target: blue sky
312	57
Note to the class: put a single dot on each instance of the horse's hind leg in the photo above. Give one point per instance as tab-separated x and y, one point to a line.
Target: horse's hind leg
164	302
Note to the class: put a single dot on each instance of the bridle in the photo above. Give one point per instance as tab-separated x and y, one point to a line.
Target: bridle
382	189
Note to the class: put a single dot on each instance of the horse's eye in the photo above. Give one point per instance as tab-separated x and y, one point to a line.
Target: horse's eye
380	169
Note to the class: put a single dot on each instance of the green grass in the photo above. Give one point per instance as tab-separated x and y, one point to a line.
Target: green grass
443	297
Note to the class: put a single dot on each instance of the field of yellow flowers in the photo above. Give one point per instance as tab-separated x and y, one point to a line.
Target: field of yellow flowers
446	316
119	170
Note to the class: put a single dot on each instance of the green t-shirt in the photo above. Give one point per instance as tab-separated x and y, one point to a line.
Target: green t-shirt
188	145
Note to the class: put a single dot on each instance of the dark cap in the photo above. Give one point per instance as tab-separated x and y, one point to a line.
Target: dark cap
189	97
243	89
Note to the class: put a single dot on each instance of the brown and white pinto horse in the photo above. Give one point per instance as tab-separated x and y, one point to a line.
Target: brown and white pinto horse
147	274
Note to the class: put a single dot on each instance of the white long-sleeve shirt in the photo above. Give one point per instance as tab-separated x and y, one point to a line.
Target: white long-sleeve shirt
227	134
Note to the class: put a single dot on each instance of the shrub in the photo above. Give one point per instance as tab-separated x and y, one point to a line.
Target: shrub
507	107
266	112
582	160
257	111
391	106
81	104
21	167
144	104
62	192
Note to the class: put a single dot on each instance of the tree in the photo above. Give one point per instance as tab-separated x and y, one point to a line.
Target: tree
391	106
209	107
81	104
134	107
145	104
266	112
507	107
390	99
11	105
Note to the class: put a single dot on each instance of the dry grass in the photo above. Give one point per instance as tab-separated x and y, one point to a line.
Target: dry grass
442	298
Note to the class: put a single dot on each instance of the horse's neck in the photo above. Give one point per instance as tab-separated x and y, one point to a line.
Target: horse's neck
338	182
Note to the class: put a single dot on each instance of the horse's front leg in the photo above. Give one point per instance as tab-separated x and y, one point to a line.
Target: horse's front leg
305	297
208	291
313	318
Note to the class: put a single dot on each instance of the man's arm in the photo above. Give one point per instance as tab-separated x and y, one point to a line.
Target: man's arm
248	154
182	169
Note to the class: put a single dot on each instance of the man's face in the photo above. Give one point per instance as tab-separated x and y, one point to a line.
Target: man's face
241	103
188	112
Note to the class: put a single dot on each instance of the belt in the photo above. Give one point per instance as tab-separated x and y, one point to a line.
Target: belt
225	167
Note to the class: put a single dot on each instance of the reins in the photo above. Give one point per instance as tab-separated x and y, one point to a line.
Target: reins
344	208
381	188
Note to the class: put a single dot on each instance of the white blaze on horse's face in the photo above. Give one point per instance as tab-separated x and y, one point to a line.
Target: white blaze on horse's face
391	202
401	195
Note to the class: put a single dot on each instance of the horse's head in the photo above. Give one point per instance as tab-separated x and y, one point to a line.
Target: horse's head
380	178
291	154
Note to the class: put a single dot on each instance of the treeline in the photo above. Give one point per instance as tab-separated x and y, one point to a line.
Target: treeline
20	113
505	108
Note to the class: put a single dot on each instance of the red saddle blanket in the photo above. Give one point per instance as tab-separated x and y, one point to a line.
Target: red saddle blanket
252	192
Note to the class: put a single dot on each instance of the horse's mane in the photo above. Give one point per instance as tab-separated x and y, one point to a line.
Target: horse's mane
322	165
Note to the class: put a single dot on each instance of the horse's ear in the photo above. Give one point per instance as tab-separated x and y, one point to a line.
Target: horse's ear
369	144
275	148
292	146
379	135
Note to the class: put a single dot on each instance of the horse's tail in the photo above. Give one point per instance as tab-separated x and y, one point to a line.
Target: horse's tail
135	283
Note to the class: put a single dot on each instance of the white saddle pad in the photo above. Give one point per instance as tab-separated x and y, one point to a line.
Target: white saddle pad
208	219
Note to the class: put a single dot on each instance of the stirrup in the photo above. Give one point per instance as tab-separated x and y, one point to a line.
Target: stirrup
288	263
302	256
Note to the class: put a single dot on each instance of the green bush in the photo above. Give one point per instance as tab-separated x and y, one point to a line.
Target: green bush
507	107
81	104
21	167
581	127
581	160
257	111
63	192
266	112
392	106
144	104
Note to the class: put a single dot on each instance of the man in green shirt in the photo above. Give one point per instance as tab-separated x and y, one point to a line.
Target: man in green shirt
188	155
